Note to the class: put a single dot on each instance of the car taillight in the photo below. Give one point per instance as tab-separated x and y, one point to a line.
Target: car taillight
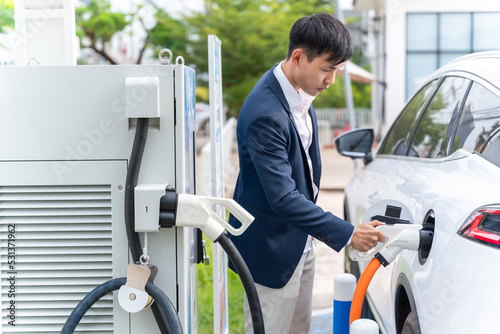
483	226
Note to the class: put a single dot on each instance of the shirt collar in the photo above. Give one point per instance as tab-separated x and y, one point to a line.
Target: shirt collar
291	95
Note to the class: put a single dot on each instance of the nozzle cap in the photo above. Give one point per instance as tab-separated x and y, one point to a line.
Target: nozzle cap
364	326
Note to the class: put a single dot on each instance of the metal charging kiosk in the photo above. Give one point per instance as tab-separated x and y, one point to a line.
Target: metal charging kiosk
65	141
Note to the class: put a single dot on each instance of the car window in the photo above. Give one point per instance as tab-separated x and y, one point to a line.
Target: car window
479	126
434	130
397	139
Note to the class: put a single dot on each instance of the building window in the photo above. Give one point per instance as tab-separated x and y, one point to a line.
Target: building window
433	39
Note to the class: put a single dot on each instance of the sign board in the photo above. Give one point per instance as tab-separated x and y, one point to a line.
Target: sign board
221	324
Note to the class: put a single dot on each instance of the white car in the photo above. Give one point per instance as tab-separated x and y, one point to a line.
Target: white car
441	159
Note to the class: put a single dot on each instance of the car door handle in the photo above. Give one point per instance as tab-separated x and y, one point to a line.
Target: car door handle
373	198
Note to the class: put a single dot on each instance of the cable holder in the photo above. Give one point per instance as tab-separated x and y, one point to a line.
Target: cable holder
144	258
133	296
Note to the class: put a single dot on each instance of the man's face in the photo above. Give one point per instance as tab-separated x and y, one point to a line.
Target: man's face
315	76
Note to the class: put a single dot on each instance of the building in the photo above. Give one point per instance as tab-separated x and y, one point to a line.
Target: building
410	39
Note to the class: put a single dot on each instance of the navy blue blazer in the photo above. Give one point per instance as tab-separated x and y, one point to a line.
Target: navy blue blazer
274	185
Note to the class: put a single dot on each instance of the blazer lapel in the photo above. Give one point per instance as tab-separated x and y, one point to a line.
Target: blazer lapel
276	88
313	152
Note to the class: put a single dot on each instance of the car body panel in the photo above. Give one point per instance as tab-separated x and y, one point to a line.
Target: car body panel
422	185
463	301
453	290
479	64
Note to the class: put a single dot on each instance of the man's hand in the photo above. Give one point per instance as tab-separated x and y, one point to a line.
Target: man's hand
366	236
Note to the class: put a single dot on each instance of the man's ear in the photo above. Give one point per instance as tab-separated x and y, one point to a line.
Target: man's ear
298	56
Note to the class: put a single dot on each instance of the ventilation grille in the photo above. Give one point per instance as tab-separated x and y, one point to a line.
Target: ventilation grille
59	238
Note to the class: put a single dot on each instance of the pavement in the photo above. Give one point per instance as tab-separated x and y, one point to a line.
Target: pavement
336	172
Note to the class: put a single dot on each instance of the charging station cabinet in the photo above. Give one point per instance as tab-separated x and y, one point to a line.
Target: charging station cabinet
66	135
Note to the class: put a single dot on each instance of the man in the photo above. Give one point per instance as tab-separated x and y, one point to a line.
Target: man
279	176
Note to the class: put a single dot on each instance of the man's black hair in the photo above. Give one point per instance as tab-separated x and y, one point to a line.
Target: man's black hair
319	34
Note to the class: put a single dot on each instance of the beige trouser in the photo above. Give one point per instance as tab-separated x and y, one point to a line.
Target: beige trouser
287	310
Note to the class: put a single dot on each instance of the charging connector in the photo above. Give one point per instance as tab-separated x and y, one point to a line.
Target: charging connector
196	211
400	234
398	237
399	231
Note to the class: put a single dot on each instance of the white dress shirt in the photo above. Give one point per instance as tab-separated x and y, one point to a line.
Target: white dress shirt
299	103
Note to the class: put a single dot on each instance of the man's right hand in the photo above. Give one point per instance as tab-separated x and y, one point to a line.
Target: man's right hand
366	236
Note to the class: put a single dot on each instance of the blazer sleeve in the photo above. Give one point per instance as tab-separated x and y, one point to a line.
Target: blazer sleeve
267	139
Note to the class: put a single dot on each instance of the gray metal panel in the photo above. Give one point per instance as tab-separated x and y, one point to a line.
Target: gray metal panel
58	241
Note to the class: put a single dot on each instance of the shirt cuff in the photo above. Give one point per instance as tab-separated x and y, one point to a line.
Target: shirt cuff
349	241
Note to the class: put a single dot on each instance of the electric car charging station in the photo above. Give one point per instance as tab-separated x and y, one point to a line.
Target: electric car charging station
70	132
97	161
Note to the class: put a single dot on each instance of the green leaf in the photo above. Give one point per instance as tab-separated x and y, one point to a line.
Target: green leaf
97	24
6	16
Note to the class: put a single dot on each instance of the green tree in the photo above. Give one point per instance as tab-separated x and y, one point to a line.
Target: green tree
6	16
254	35
170	33
97	24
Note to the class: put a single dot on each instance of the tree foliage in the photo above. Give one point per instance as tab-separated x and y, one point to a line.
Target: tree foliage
254	36
6	16
170	33
97	24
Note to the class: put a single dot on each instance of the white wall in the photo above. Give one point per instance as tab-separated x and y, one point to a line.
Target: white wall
395	16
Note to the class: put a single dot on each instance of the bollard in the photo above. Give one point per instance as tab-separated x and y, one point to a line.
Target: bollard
364	326
344	286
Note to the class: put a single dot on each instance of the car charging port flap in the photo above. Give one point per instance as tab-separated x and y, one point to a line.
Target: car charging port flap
390	220
392	216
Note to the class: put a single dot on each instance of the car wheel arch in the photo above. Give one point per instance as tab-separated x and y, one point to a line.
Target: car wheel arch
404	303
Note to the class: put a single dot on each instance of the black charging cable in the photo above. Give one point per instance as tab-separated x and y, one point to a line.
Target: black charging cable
134	167
141	135
247	281
167	313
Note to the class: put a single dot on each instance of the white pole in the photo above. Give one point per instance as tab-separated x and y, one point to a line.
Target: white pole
347	79
343	290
